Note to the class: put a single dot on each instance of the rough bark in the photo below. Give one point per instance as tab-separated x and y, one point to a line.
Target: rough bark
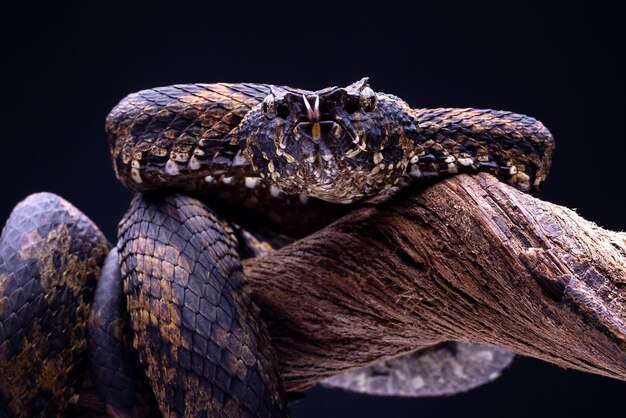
469	259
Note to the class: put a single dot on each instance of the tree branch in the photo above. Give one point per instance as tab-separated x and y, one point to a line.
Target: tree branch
469	259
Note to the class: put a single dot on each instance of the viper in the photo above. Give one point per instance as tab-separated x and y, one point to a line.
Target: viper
222	172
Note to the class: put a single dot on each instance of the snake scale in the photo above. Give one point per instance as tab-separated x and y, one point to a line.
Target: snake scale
224	171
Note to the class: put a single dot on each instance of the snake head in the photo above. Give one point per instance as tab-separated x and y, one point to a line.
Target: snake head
336	144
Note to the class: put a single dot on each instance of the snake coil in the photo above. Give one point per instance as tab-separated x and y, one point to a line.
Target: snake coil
172	327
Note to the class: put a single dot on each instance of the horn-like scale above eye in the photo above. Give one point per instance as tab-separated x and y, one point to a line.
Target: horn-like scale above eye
367	99
272	107
268	106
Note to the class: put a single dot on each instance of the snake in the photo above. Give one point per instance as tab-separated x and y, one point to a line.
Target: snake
163	321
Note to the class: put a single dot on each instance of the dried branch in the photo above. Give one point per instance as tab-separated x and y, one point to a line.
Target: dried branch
468	259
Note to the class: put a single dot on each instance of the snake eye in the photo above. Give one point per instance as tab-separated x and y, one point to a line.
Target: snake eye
367	99
268	108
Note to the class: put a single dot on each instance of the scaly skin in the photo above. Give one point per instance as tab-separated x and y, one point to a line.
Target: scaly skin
253	147
177	136
516	148
117	374
258	155
195	328
50	258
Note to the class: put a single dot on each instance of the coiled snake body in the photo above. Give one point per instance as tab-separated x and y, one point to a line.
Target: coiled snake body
296	159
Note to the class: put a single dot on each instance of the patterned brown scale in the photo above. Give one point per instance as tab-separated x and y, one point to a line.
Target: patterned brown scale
445	369
280	146
285	154
117	374
173	135
514	147
195	328
324	144
50	258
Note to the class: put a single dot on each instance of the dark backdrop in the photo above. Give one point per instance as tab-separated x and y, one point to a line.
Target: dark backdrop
65	66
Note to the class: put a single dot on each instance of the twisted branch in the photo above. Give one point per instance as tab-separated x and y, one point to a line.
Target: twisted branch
468	259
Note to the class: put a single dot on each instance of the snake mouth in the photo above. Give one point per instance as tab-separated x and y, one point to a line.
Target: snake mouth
326	127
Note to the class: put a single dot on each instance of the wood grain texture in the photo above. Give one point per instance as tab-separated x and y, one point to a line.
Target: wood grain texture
469	259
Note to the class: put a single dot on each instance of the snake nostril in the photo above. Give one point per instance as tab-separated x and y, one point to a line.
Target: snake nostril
282	111
351	105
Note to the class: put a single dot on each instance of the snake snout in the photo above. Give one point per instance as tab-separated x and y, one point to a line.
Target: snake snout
315	131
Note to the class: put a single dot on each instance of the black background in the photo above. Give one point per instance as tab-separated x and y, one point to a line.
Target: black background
66	65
